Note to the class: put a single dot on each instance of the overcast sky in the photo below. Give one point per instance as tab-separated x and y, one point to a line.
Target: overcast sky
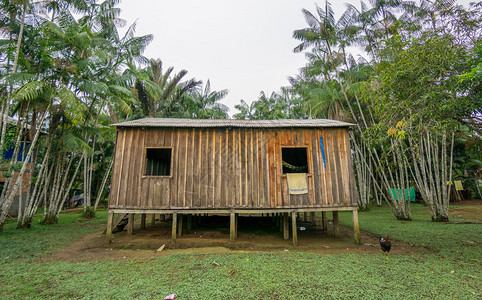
245	46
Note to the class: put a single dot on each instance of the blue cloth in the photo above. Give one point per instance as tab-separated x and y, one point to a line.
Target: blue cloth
322	150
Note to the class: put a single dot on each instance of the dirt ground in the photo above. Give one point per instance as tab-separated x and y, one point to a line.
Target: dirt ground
469	209
210	235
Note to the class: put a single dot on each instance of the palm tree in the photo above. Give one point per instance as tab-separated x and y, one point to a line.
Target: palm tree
160	99
204	103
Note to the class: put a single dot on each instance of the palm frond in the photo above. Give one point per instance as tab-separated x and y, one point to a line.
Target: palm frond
73	142
18	78
31	90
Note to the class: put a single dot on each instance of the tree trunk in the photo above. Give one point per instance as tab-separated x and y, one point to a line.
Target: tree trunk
11	193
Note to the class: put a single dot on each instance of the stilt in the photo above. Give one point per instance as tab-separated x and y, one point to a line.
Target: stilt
189	222
305	216
232	227
313	218
162	217
286	227
130	224
293	225
280	222
336	227
179	226
174	227
324	221
143	222
153	219
356	227
110	220
236	218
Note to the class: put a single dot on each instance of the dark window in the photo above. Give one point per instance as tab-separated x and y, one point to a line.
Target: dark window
158	162
295	160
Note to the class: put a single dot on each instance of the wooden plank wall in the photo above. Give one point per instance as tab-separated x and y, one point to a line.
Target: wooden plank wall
230	168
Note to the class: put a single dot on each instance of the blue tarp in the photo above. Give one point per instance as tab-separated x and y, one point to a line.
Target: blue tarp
9	153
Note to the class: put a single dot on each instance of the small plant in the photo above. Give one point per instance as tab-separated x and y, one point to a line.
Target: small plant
89	213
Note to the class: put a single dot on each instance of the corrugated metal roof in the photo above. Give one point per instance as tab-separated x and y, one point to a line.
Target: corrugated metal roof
206	123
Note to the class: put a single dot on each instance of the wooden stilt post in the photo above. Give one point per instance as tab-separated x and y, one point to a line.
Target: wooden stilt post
313	218
305	216
153	219
324	221
232	227
189	222
236	218
162	217
174	227
280	221
286	227
130	224
179	226
293	225
110	220
336	227
356	227
143	222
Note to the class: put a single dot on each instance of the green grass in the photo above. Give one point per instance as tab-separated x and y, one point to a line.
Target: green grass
451	271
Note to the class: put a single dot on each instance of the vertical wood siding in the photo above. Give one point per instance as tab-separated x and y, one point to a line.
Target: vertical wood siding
230	168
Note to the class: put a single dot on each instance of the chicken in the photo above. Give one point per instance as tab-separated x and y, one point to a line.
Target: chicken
385	243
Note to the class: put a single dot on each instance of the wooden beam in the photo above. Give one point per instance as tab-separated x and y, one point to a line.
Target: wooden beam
286	227
228	211
143	222
313	218
174	227
336	225
324	221
130	224
305	216
153	219
110	220
189	222
179	226
356	227
293	225
232	227
279	219
236	217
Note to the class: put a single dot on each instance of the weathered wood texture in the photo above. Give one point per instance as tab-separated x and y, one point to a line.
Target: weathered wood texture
230	168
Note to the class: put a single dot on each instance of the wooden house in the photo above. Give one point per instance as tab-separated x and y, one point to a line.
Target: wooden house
185	167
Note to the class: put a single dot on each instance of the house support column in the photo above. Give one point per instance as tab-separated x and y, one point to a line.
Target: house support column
236	218
153	219
179	226
189	223
232	227
324	221
130	224
293	225
110	220
174	227
336	226
356	227
143	222
286	227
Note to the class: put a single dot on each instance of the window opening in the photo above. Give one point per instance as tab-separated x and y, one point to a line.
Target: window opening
158	162
295	160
